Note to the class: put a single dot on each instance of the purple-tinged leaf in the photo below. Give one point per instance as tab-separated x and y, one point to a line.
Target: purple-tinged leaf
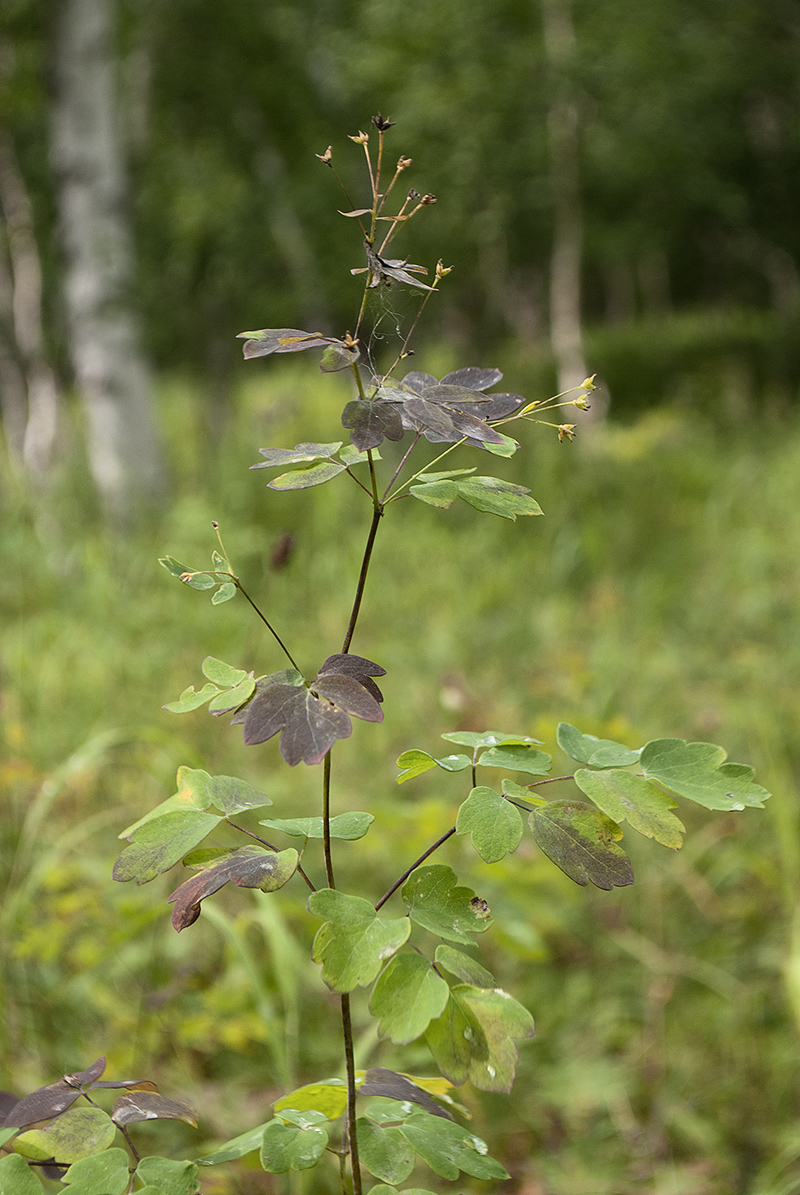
80	1078
281	340
42	1104
351	665
129	1084
268	711
372	422
310	726
286	676
247	867
359	211
349	695
454	395
145	1105
473	378
274	457
417	381
338	356
380	1081
159	844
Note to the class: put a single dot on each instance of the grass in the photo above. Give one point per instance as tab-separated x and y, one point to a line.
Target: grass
658	596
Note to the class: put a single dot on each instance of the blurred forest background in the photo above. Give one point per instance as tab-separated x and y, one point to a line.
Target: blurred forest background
617	188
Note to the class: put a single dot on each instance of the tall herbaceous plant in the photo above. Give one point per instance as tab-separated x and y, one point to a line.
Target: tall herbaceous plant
408	952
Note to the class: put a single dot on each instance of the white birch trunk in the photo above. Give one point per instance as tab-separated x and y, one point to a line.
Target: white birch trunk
110	369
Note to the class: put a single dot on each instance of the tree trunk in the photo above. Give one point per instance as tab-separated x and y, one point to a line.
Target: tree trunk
30	409
110	369
563	135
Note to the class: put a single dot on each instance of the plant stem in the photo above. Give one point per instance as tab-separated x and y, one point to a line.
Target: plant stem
326	819
347	1029
413	867
266	623
377	514
403	460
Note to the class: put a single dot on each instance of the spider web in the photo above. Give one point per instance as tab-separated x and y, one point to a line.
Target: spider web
390	312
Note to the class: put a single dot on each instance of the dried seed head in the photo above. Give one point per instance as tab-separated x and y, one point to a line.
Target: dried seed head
359	138
442	270
403	163
413	193
428	199
381	123
326	157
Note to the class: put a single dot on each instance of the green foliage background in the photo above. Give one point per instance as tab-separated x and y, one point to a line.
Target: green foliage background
657	595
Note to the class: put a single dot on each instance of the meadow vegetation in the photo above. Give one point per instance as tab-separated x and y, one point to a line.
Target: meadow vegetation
658	595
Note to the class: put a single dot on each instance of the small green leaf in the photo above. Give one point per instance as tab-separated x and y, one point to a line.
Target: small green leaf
436	493
161	843
597	753
73	1135
495	825
414	763
491	495
447	1148
167	1176
407	997
276	457
435	903
104	1174
174	566
698	772
237	1147
222	674
191	700
488	738
347	826
224	593
474	1037
231	699
329	1098
517	758
582	842
510	788
354	941
623	796
336	357
384	1151
192	794
17	1178
199	581
304	479
232	795
221	565
464	967
286	1147
507	448
425	478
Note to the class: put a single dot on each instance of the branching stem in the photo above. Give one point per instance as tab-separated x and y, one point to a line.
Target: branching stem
413	867
377	515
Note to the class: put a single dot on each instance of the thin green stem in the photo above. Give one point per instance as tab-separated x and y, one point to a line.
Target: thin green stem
347	1029
266	623
269	847
394	497
413	867
403	460
326	819
377	515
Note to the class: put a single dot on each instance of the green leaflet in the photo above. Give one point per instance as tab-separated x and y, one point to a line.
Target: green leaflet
192	794
464	967
495	825
237	1147
232	795
414	763
517	758
307	476
159	844
103	1174
474	1037
582	842
329	1098
225	592
17	1178
447	1148
384	1151
406	998
623	796
490	495
167	1176
437	904
347	826
286	1147
698	772
222	674
354	941
597	753
73	1135
488	738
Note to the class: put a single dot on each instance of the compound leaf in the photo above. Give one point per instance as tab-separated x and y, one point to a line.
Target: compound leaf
347	826
407	997
159	844
597	753
310	726
247	867
350	695
495	825
488	738
287	1147
623	796
437	904
698	772
582	842
384	1151
354	941
76	1134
